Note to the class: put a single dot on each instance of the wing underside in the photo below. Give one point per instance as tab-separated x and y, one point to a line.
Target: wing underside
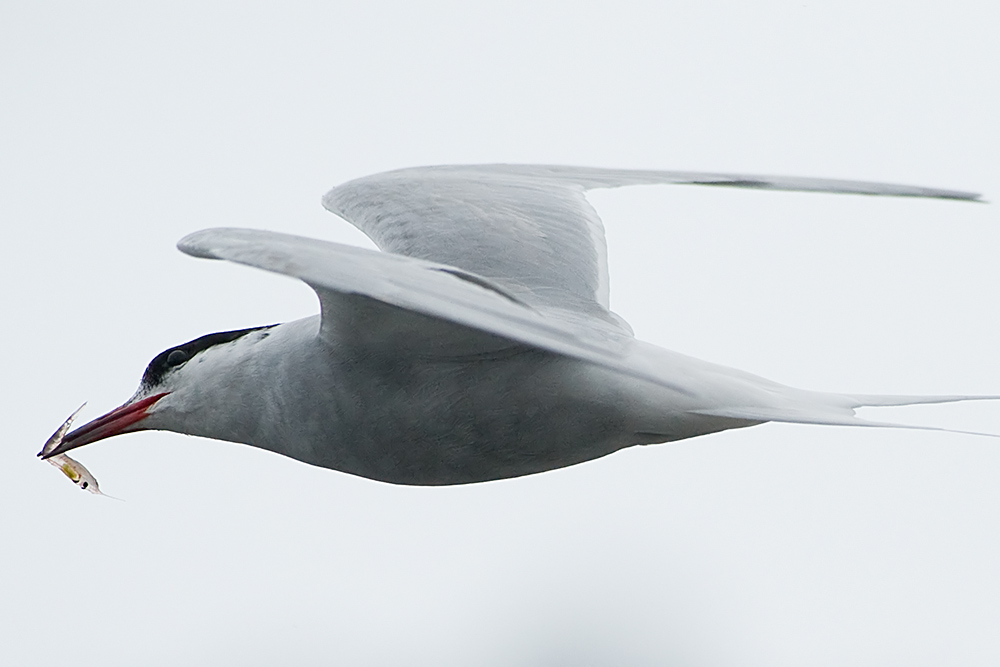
344	276
517	253
529	228
414	291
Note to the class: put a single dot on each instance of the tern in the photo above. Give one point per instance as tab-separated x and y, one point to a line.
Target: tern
478	345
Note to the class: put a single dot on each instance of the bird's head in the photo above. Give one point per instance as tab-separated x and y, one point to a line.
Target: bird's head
173	384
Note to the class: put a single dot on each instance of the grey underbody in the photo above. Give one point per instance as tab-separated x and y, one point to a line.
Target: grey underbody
433	414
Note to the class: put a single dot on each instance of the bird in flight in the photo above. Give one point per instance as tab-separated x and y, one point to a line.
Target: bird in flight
478	345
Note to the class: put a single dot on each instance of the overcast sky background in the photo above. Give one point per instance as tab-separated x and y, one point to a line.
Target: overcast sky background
128	125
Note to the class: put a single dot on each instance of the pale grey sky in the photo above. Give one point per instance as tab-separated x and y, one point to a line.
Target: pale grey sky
129	125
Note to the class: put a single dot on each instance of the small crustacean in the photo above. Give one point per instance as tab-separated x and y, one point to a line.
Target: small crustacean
70	467
76	472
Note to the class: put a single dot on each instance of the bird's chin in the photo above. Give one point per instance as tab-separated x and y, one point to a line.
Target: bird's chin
123	419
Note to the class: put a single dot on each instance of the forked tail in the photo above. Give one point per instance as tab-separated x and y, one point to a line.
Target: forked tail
838	410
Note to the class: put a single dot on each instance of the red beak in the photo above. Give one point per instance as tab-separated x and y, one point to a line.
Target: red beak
114	423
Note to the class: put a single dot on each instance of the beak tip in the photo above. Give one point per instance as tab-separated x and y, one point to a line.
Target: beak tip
52	449
115	422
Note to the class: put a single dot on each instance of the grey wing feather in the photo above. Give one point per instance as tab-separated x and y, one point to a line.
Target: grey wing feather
536	236
530	228
413	292
412	286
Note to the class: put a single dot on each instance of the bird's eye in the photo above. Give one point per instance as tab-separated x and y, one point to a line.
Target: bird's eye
177	357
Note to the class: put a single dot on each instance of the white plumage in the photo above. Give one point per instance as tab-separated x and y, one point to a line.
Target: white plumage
479	345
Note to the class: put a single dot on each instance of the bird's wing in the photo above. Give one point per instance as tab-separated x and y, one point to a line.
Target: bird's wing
529	228
365	294
408	296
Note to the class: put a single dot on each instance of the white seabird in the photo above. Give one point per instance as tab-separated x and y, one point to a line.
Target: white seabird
479	345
